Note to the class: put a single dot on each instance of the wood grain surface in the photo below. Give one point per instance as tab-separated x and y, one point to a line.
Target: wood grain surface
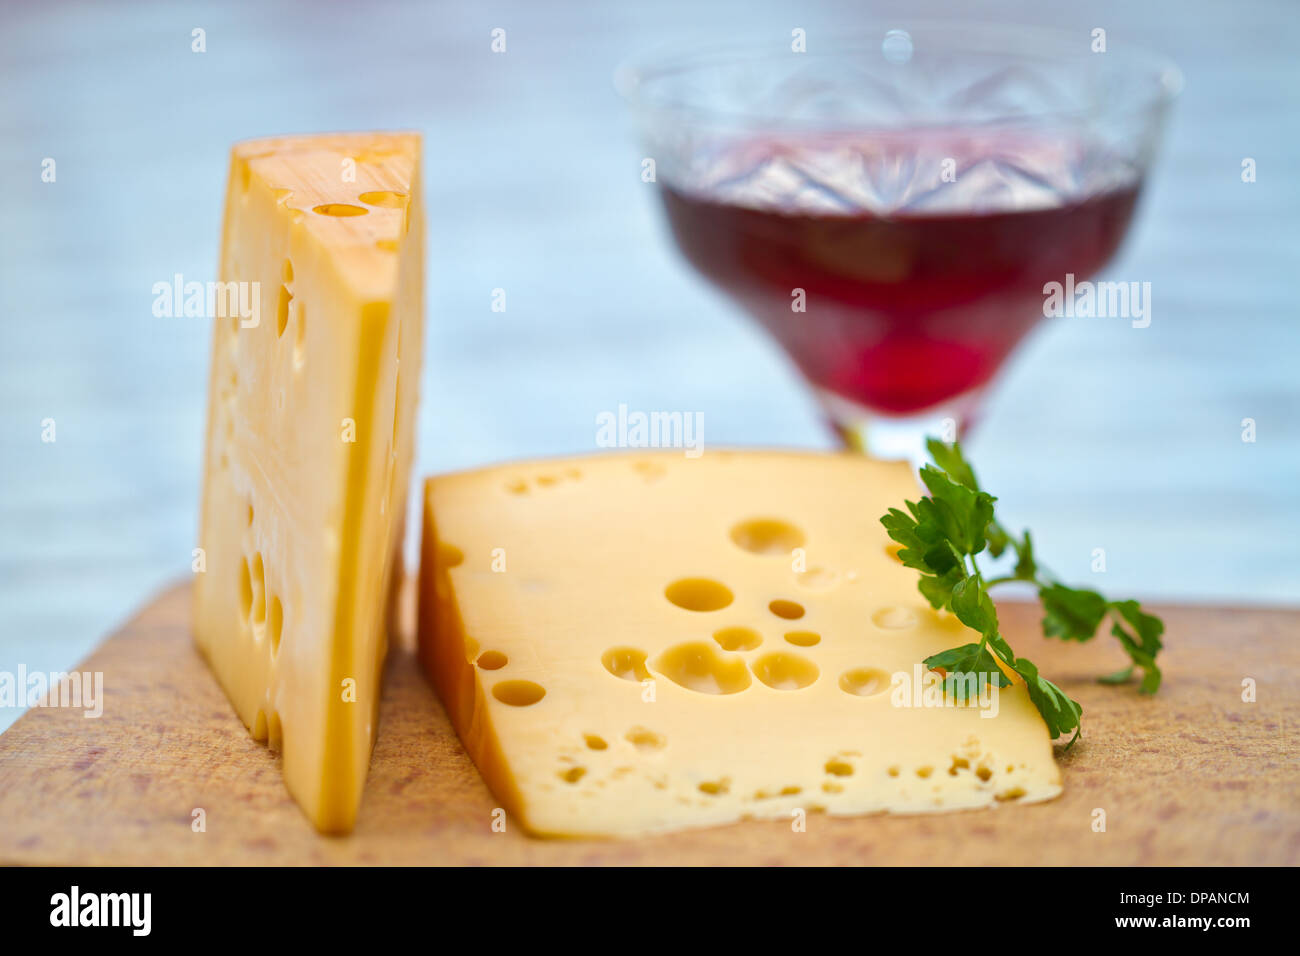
1193	776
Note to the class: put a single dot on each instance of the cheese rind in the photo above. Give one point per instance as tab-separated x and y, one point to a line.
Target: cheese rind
309	445
629	644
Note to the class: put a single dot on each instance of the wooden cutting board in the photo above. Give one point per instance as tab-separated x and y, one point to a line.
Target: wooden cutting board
1193	776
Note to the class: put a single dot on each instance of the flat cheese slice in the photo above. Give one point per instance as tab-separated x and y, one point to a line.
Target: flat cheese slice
637	643
309	445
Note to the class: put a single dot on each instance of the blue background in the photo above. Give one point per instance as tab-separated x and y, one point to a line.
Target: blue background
1098	435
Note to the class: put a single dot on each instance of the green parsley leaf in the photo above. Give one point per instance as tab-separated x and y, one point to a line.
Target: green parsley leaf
1119	677
941	535
1147	627
965	660
1026	569
950	459
938	590
1003	649
1072	614
1140	640
973	606
1150	672
1059	711
960	514
903	528
998	539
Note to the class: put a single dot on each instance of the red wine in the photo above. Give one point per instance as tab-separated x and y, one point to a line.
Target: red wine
908	308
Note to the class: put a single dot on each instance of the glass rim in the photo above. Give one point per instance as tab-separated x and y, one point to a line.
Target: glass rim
634	73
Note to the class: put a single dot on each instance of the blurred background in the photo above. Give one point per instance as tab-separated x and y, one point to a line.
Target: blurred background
1096	435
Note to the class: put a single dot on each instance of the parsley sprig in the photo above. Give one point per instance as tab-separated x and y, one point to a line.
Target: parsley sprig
941	535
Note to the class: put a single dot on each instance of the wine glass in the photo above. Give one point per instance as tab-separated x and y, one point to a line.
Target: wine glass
892	207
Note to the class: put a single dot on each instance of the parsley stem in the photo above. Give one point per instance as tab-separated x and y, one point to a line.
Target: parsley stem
975	573
941	535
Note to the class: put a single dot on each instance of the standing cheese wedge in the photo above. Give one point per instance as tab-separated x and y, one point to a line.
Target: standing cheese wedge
637	643
311	415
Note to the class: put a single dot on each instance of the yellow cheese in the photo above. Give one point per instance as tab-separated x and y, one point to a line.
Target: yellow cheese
637	643
310	438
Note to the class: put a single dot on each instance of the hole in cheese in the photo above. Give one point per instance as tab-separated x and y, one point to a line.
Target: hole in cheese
789	791
894	618
492	660
864	681
384	198
518	693
245	591
274	623
699	594
803	638
449	556
782	671
644	739
817	579
737	638
789	610
839	768
768	536
650	470
626	663
595	741
259	592
699	667
282	311
340	209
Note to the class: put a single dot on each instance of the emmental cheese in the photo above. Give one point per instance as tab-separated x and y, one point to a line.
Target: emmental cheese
311	416
629	644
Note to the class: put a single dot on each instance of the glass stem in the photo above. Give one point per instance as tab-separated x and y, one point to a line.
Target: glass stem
894	438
